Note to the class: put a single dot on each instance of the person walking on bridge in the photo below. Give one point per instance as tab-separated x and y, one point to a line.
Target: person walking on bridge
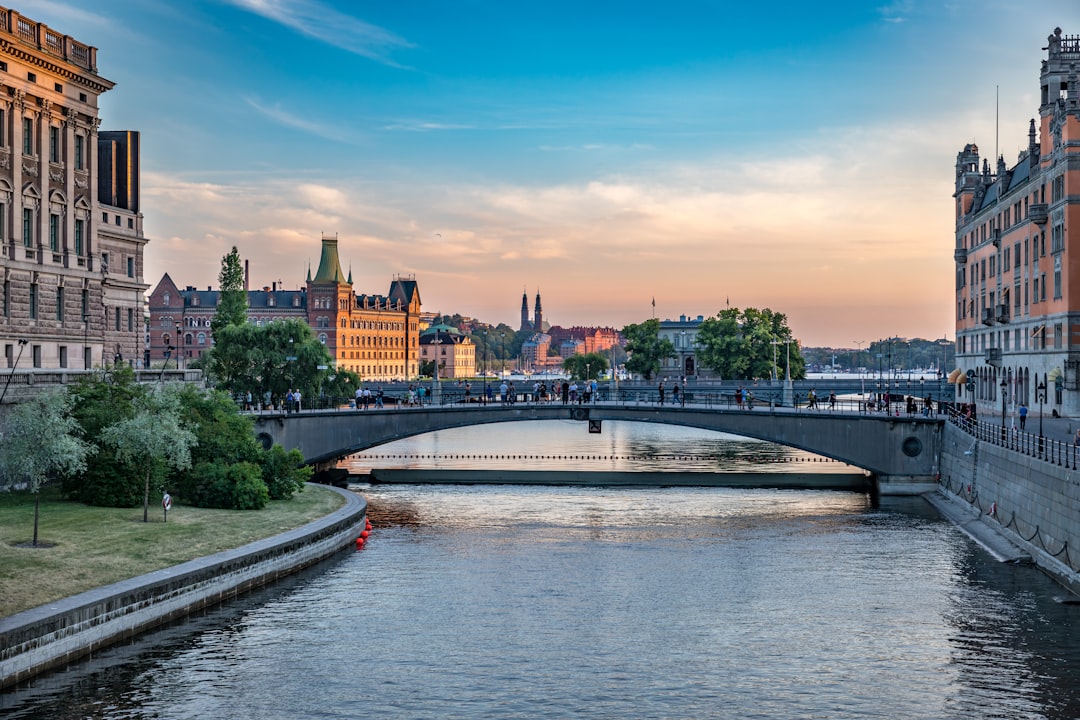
660	389
1023	411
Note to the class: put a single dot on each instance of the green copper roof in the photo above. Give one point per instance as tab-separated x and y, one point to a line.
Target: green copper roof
329	265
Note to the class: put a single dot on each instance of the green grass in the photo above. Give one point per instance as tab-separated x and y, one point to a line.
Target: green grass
92	546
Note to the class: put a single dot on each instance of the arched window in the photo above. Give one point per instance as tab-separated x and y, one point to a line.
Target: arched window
202	338
322	338
165	298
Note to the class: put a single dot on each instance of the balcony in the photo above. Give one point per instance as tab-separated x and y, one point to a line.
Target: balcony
992	356
960	255
1037	213
988	316
1003	313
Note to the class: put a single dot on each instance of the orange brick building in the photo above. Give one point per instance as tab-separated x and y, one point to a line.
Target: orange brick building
1017	255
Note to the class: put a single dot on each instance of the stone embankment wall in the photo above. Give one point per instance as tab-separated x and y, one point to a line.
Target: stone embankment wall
1031	498
55	634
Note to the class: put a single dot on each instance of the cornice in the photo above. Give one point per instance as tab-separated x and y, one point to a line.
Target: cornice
94	82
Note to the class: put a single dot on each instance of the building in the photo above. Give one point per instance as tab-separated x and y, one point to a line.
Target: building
683	336
454	350
375	336
1017	229
71	229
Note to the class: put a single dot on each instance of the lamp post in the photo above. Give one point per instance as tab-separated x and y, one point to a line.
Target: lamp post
436	395
484	400
1040	393
682	355
1004	394
789	391
179	351
167	353
22	344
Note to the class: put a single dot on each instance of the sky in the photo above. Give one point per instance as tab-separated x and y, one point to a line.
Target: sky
700	154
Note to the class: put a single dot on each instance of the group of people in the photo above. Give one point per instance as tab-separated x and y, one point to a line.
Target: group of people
292	401
678	396
364	398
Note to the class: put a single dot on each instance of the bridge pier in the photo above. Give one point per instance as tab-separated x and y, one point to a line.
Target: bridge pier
905	484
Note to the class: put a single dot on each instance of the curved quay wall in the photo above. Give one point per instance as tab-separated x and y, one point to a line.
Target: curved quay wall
53	635
1030	499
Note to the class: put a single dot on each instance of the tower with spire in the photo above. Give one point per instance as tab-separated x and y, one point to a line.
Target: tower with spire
525	324
538	315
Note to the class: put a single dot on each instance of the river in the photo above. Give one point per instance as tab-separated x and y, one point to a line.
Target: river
532	602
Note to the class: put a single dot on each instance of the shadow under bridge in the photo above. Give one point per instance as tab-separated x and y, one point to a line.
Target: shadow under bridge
900	453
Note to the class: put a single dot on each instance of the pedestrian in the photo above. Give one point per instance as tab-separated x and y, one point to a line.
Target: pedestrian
565	392
378	397
739	398
660	390
468	394
247	406
504	393
289	401
675	394
832	400
296	399
928	409
1023	411
358	398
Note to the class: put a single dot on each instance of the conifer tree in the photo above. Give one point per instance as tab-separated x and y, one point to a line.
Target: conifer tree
232	303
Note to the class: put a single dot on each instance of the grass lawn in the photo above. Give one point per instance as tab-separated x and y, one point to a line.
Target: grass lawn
93	546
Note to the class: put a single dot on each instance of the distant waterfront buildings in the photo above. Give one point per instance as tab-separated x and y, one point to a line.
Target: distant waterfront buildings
71	227
375	336
1017	290
682	334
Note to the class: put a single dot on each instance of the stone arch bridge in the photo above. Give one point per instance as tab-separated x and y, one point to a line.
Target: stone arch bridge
900	453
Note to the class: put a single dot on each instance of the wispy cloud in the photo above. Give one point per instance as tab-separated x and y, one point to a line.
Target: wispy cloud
896	12
277	114
424	126
64	11
323	23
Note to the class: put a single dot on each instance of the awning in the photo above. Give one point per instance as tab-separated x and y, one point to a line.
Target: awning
954	374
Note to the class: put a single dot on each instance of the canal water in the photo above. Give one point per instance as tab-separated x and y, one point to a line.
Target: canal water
531	602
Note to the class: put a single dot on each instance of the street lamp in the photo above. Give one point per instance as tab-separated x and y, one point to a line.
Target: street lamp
682	354
167	353
86	339
179	345
1004	393
1040	393
22	344
437	393
484	401
789	391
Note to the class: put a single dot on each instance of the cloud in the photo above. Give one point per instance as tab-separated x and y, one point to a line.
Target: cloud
63	11
283	117
321	22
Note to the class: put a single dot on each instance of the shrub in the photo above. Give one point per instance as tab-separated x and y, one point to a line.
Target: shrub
284	472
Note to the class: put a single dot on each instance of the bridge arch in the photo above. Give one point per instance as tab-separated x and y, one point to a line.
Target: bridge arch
899	452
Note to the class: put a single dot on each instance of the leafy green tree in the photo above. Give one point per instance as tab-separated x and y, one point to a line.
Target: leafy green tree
41	439
744	344
645	348
585	367
232	302
154	439
99	402
284	472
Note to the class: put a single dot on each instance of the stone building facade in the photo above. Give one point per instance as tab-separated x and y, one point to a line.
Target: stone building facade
71	247
375	336
1017	230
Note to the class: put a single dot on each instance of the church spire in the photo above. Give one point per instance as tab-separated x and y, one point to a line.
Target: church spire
538	314
525	310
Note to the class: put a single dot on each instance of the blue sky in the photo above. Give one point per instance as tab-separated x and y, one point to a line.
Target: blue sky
798	156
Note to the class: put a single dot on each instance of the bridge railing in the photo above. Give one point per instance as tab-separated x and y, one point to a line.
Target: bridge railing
756	399
1051	450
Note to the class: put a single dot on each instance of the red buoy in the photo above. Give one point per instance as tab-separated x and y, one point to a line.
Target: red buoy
359	543
364	535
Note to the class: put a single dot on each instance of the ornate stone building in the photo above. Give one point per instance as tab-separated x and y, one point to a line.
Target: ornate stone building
375	336
71	235
1017	231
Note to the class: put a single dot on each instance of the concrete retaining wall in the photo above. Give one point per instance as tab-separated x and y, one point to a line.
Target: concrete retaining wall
55	634
1032	502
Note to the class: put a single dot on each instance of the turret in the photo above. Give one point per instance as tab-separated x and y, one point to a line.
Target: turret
967	178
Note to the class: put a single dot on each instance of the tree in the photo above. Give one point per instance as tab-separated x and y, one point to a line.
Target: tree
232	303
645	347
739	344
154	439
40	440
100	401
585	367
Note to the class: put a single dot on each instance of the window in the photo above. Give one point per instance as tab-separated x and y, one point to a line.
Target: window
58	87
3	224
54	233
82	97
1057	336
3	128
131	267
28	136
28	227
33	301
79	229
36	353
54	144
78	152
63	356
104	217
7	298
60	304
118	221
130	320
1042	295
84	306
105	264
32	77
1057	277
116	324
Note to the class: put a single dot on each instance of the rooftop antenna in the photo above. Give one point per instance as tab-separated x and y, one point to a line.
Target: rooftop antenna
997	118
